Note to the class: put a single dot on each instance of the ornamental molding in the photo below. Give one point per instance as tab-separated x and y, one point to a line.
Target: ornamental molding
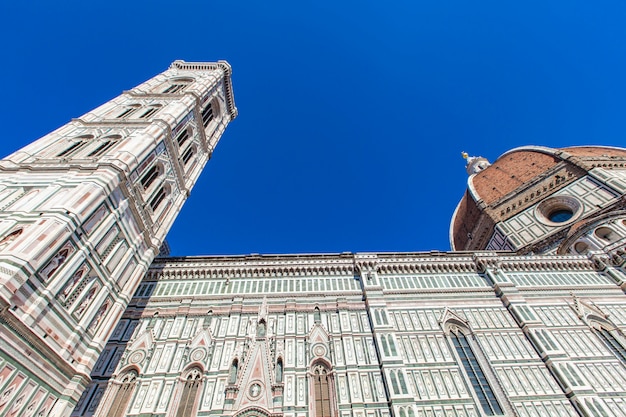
428	266
585	308
555	179
213	66
164	269
616	213
545	263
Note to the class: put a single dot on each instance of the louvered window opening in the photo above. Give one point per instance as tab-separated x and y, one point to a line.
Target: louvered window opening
174	88
182	137
149	178
207	115
158	199
100	150
74	147
187	156
149	112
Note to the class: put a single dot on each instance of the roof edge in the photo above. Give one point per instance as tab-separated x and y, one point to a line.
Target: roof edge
212	66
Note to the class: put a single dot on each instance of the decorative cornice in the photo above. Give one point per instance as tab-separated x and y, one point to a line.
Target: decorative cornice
546	263
253	266
348	265
213	66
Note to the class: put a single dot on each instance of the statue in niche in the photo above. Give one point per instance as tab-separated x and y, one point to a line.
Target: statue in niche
55	263
83	305
232	375
99	315
72	283
261	329
10	238
279	370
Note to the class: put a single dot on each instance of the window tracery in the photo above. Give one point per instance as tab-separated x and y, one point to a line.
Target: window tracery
474	370
322	391
128	111
189	153
151	110
176	85
123	394
187	404
207	114
158	198
151	175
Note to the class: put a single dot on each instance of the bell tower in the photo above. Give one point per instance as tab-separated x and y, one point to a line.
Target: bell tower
83	212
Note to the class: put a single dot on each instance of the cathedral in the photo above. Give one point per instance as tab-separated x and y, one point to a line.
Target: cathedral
524	317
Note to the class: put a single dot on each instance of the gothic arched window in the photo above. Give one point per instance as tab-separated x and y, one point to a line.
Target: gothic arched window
128	111
150	111
398	383
75	145
612	343
207	114
151	175
377	316
187	404
105	144
475	373
189	153
158	198
322	393
123	394
383	341
177	85
182	137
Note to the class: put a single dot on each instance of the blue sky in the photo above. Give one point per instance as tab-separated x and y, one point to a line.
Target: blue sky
352	115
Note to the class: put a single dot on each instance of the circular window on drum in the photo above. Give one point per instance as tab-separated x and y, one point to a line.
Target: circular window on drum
558	211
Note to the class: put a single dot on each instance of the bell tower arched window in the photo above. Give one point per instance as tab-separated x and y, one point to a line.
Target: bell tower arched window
123	394
187	404
188	154
76	144
151	175
105	144
158	198
177	85
207	114
150	111
128	111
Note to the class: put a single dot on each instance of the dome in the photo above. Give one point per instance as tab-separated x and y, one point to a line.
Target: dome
518	180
